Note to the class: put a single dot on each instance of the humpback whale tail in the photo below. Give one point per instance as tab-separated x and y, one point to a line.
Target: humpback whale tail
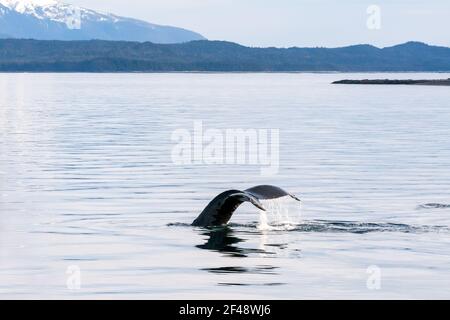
219	211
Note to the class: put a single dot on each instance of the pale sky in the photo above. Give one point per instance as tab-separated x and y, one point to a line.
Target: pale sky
285	23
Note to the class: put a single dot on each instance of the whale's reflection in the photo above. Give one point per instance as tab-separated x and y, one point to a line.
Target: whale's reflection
254	270
225	240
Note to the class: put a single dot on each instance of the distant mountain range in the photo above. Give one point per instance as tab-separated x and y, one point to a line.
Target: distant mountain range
55	20
120	56
49	35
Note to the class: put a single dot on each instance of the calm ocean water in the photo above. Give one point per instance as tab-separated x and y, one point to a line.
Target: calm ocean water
89	194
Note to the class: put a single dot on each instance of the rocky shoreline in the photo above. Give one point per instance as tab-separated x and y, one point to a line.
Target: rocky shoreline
438	82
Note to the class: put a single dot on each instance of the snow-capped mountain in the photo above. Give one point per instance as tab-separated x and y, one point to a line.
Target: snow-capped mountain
55	20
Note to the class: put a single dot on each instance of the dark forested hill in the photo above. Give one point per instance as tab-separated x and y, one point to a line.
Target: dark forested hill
120	56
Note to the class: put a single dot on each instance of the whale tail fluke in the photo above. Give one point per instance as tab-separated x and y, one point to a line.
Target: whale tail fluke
220	210
267	192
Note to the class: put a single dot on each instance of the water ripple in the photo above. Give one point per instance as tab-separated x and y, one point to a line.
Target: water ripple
434	206
329	226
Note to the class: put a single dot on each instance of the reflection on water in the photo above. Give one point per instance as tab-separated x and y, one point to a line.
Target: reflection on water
253	284
257	269
224	240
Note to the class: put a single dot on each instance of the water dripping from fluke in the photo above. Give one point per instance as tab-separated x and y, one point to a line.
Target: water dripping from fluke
281	214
